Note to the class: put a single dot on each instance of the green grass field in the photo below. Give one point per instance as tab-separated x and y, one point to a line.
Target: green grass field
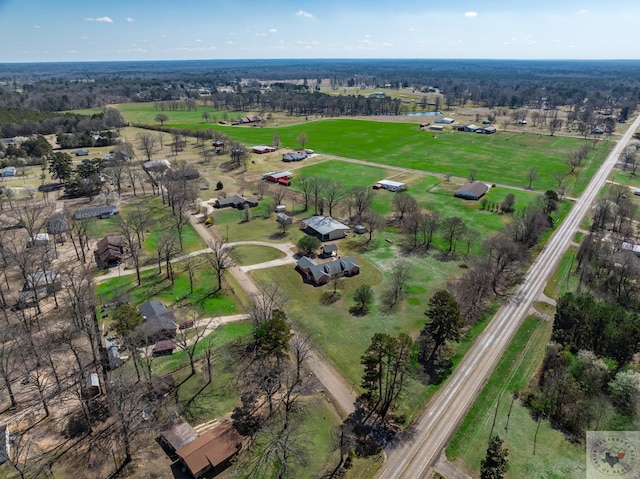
252	254
503	158
555	457
203	301
145	113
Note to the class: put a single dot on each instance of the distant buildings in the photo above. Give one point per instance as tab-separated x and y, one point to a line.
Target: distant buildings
96	212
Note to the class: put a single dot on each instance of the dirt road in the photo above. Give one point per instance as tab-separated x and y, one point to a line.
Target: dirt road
439	420
342	395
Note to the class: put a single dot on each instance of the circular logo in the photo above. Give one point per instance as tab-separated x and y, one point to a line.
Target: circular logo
613	455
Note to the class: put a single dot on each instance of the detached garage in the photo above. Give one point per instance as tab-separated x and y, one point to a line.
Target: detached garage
472	191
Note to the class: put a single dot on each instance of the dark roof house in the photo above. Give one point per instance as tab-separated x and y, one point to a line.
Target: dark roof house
295	156
472	191
57	224
160	322
322	273
236	201
212	451
164	347
177	436
109	251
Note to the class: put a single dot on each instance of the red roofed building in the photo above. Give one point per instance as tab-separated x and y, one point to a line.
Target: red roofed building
212	451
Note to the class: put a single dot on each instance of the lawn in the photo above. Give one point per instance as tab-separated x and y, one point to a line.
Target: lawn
232	226
554	457
204	302
251	254
563	279
146	112
503	158
159	216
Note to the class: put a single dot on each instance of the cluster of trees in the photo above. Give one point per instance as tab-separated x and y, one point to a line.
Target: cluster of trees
271	384
603	262
24	125
585	370
86	139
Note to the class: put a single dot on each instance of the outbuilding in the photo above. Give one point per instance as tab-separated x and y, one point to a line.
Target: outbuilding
212	451
390	185
274	177
472	191
101	212
262	149
8	171
444	120
325	228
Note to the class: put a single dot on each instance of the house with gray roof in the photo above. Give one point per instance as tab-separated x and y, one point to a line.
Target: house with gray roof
101	212
472	191
159	322
325	228
322	273
236	201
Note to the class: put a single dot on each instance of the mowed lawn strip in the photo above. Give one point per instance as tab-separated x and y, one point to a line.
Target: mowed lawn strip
555	457
245	255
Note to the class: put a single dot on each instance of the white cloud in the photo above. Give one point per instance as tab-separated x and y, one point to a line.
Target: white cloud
471	14
229	42
197	40
582	12
261	34
130	20
73	51
273	30
302	13
37	27
99	20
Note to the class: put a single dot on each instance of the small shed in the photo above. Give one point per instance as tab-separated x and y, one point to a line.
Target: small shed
359	229
472	191
39	239
283	219
281	209
444	120
113	353
164	348
329	249
93	385
436	127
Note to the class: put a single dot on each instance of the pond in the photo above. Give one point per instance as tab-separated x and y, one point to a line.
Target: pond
424	113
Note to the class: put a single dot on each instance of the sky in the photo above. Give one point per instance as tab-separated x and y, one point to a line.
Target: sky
108	30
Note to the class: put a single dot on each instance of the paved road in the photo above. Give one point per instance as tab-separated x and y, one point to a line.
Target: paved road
415	458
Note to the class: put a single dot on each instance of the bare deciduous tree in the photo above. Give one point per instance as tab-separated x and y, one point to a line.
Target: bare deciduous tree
220	258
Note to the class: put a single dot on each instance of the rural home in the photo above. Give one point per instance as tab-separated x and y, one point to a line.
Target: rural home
156	165
57	226
472	191
160	322
109	251
325	228
390	185
235	201
444	120
177	436
113	353
436	127
322	273
469	128
8	171
247	120
487	130
212	451
262	149
101	212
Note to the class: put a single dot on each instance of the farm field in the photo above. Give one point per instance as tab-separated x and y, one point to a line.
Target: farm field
503	158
